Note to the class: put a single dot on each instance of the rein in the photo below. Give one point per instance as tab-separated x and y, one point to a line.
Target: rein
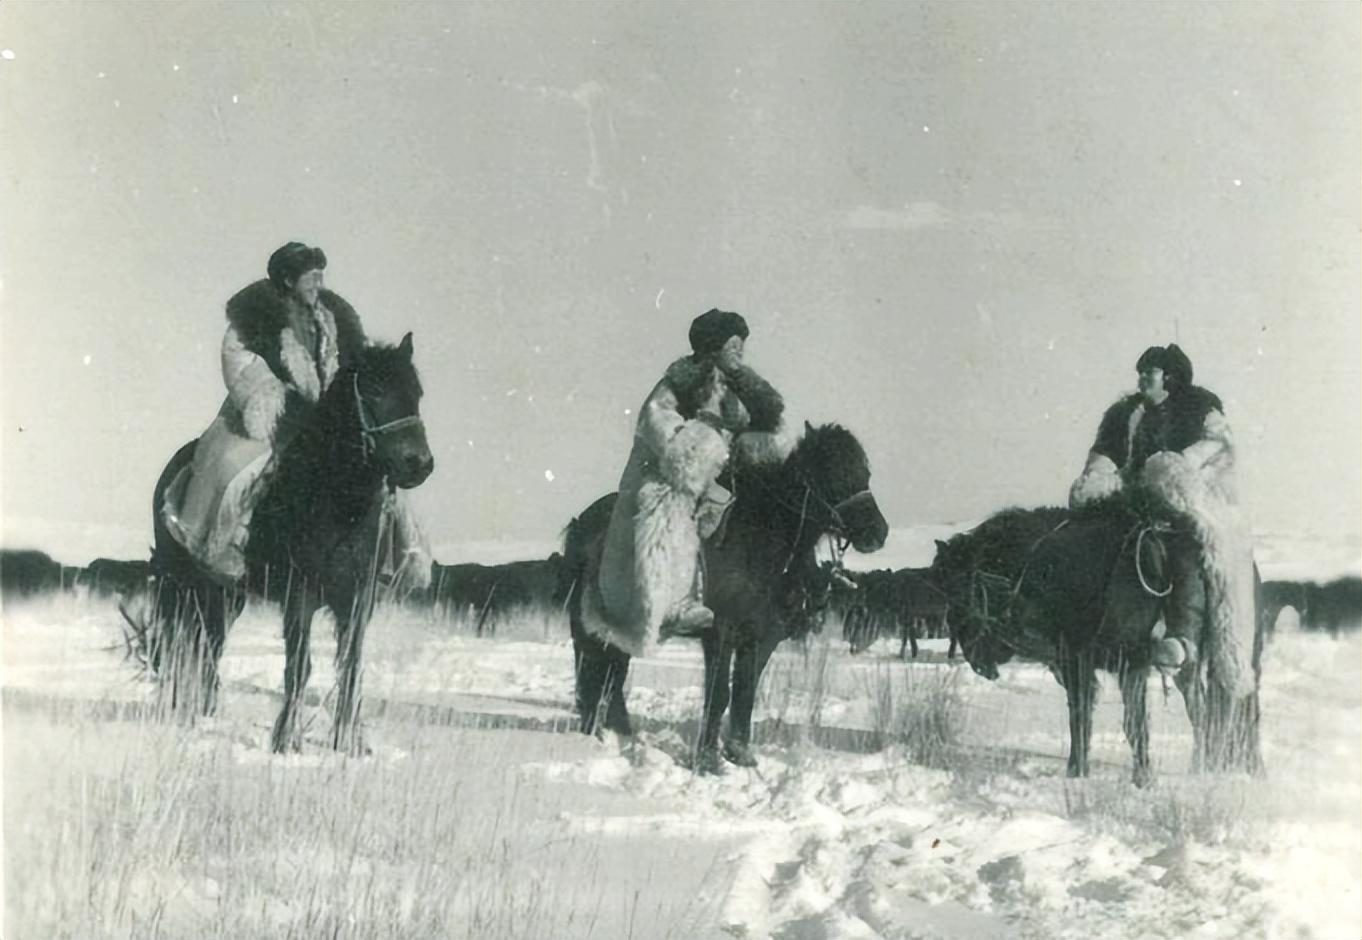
835	526
987	621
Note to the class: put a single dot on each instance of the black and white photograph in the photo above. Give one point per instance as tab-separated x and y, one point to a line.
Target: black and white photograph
640	470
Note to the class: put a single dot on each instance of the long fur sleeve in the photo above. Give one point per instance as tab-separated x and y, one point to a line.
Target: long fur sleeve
1100	478
689	454
1215	440
253	387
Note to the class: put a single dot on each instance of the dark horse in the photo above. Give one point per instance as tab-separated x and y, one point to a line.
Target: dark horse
761	580
315	540
1081	591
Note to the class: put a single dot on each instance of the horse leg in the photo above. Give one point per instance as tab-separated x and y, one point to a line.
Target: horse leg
1079	684
1134	694
749	662
347	731
718	662
1191	683
592	660
299	605
616	710
955	641
590	686
224	604
1248	714
1248	755
188	651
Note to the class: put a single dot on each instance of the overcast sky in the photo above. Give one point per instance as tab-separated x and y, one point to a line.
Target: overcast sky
951	227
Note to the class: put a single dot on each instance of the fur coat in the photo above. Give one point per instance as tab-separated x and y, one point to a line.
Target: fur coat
277	360
1183	452
272	377
650	561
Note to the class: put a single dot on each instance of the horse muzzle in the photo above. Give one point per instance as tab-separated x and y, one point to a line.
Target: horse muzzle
987	670
865	525
411	470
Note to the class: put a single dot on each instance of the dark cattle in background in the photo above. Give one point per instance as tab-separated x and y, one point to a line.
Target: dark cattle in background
23	572
922	609
111	576
1278	595
1335	606
905	602
1332	607
493	591
866	606
26	571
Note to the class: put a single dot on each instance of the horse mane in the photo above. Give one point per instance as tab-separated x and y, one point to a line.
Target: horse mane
829	454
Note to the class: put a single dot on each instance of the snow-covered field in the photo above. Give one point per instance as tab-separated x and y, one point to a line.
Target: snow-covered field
891	800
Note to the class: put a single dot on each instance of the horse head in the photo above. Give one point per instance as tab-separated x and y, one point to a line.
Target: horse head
954	571
386	393
836	475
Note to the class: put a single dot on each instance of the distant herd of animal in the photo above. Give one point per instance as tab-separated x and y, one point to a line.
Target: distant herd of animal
902	604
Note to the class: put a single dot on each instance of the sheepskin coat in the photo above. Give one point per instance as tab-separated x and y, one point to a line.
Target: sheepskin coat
650	560
1183	451
278	357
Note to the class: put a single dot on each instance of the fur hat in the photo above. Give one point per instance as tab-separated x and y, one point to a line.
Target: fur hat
291	261
710	330
1172	360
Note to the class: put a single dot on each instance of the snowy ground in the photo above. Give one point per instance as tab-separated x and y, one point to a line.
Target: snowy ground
891	800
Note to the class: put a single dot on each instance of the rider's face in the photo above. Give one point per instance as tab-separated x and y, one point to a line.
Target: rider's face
730	354
1152	385
307	286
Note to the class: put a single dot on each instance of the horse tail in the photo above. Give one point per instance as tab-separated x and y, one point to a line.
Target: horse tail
572	565
168	555
577	537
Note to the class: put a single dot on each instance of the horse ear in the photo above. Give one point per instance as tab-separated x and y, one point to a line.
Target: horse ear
808	428
404	347
939	544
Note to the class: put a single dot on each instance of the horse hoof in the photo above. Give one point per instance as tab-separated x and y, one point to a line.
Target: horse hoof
1144	778
739	754
287	746
708	761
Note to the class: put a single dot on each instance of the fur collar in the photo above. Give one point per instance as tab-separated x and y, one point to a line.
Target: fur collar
259	313
687	376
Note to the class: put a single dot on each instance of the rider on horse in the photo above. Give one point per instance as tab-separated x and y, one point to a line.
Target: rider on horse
287	339
707	408
1171	438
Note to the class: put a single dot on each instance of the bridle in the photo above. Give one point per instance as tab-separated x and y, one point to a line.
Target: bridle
835	526
370	432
